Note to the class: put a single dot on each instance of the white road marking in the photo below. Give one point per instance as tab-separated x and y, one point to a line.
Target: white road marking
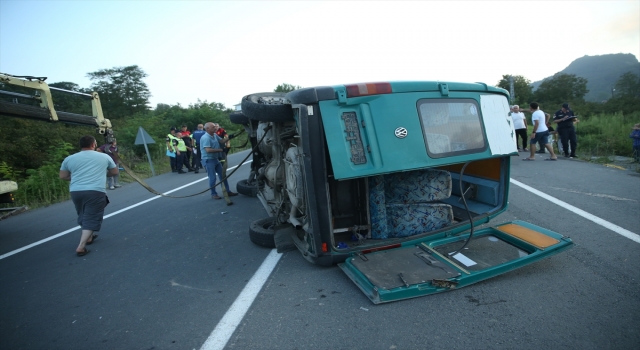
595	194
230	321
6	255
232	318
234	315
606	224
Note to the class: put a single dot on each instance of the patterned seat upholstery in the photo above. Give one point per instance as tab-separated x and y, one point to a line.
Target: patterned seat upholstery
378	207
401	204
412	219
417	186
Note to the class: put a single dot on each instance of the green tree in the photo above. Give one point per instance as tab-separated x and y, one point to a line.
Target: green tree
158	122
161	107
68	102
19	90
561	88
521	88
122	90
628	85
284	87
22	140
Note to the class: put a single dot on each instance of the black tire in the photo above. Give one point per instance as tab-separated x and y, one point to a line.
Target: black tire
261	232
245	189
267	107
239	118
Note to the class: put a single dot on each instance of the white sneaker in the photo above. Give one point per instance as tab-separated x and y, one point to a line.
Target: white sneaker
112	188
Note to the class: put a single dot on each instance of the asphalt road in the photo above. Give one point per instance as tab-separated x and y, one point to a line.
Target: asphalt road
164	273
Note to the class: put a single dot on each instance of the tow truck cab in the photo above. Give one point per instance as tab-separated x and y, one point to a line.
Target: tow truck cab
390	181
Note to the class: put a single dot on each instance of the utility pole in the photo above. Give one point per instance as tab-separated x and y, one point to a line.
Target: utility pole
512	91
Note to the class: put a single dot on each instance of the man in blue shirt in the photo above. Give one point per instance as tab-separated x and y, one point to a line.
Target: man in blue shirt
88	170
212	152
197	135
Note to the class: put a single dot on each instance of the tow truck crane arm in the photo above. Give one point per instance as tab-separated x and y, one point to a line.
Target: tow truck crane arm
46	111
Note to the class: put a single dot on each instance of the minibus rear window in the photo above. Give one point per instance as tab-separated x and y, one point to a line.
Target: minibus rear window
451	126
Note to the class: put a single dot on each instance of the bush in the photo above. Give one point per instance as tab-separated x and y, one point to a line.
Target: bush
606	134
43	186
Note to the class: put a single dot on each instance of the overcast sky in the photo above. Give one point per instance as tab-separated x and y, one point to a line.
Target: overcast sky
219	51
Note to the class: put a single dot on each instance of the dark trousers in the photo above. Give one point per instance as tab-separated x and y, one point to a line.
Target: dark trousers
173	163
195	162
179	160
568	138
187	159
90	208
522	133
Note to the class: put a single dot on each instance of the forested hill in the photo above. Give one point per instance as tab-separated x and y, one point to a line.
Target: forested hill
602	73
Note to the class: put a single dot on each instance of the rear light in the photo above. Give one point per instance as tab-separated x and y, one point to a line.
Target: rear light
366	251
366	89
324	248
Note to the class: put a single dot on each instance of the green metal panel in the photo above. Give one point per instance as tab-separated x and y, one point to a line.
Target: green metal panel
378	294
378	117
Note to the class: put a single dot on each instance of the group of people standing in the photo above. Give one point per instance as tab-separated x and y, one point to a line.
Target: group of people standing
206	147
542	130
182	149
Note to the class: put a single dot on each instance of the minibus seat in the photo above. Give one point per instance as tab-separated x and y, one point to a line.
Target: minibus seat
411	219
404	204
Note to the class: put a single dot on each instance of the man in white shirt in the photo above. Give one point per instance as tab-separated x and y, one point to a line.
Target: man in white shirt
540	133
520	126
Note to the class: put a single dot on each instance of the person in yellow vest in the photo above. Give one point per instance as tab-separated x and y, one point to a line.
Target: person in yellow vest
181	153
171	143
